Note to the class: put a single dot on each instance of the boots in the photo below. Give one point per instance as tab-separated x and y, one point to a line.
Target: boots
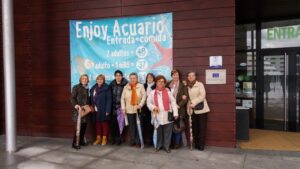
74	145
104	141
97	141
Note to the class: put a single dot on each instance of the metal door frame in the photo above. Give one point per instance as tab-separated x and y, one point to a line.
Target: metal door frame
290	119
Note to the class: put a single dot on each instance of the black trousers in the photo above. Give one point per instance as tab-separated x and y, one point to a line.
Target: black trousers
114	129
133	131
147	127
199	122
83	127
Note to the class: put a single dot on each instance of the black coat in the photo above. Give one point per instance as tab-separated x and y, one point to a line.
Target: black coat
117	90
80	96
182	90
103	101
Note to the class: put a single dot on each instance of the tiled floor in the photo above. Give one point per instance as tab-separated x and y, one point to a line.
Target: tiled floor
49	153
272	140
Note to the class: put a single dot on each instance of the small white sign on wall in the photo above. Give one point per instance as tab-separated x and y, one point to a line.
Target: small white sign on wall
215	76
247	103
215	62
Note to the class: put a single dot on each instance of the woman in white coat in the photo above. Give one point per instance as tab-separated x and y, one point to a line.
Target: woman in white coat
163	104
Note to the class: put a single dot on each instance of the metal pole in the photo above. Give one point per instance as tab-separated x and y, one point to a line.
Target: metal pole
286	94
9	74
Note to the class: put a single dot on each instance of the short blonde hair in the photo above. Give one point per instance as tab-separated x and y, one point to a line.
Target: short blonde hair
101	76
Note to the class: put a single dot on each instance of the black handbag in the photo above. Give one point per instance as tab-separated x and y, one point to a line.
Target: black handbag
170	116
199	106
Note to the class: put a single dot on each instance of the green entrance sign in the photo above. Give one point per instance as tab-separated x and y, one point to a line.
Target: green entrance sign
280	33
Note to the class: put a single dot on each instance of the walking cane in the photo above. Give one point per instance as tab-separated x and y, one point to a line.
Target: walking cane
191	132
78	126
138	122
155	125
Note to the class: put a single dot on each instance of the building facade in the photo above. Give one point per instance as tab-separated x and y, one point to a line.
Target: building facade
201	29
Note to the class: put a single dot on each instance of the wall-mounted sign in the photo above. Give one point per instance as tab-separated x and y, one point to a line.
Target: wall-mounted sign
285	32
247	103
215	76
140	44
280	37
215	62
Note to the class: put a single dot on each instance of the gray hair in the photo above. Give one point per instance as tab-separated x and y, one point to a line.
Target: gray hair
133	74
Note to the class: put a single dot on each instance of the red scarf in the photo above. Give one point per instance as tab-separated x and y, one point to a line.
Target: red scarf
165	98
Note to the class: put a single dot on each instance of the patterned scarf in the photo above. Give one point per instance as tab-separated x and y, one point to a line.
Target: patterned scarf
191	84
95	94
174	87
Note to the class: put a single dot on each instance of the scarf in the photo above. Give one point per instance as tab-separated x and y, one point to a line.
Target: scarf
86	86
149	88
165	98
191	84
134	98
95	94
174	87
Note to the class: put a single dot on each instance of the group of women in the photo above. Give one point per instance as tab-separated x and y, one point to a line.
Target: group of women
175	110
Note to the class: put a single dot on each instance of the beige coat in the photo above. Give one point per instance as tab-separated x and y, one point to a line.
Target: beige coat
197	94
126	98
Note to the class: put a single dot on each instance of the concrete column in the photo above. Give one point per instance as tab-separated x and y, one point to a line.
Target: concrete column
9	74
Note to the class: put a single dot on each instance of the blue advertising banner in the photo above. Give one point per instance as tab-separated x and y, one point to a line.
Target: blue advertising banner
141	44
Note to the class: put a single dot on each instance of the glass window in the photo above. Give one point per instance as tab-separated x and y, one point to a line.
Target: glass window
245	37
246	68
245	71
245	59
280	34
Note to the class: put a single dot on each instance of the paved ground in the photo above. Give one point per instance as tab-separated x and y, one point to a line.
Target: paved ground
46	153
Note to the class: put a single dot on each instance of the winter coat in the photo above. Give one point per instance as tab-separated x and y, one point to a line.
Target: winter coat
117	90
79	96
182	90
126	98
102	101
162	116
145	111
197	94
